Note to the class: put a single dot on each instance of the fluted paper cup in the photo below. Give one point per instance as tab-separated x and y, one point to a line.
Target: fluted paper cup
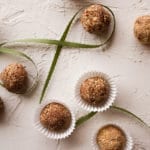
112	93
52	134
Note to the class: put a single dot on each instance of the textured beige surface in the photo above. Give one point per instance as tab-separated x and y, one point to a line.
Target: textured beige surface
125	59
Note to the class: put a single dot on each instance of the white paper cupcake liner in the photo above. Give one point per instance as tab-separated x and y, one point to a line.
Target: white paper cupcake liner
52	134
110	100
129	140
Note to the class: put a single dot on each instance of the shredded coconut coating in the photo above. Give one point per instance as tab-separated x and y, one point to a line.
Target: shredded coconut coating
94	90
95	19
55	117
142	29
111	138
14	78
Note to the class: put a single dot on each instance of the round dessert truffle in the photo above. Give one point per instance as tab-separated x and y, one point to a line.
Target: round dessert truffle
111	137
1	105
142	29
55	117
14	78
94	90
95	19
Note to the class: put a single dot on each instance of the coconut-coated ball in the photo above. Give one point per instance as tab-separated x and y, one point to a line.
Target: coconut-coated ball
55	117
14	78
94	90
142	29
111	137
95	19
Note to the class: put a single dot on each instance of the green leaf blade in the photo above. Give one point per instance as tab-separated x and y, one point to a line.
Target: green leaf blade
130	113
84	118
51	70
63	42
88	116
55	59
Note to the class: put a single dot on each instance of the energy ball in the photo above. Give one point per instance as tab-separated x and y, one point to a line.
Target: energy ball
111	137
55	117
95	19
94	90
142	29
14	78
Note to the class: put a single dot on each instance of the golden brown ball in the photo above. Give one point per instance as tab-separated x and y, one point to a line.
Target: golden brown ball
14	78
111	137
95	19
94	90
142	29
55	117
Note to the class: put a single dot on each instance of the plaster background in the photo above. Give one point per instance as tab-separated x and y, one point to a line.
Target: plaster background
126	60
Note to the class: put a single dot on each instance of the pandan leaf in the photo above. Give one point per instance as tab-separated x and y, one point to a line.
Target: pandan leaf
83	119
129	113
55	59
1	44
74	44
60	43
21	54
